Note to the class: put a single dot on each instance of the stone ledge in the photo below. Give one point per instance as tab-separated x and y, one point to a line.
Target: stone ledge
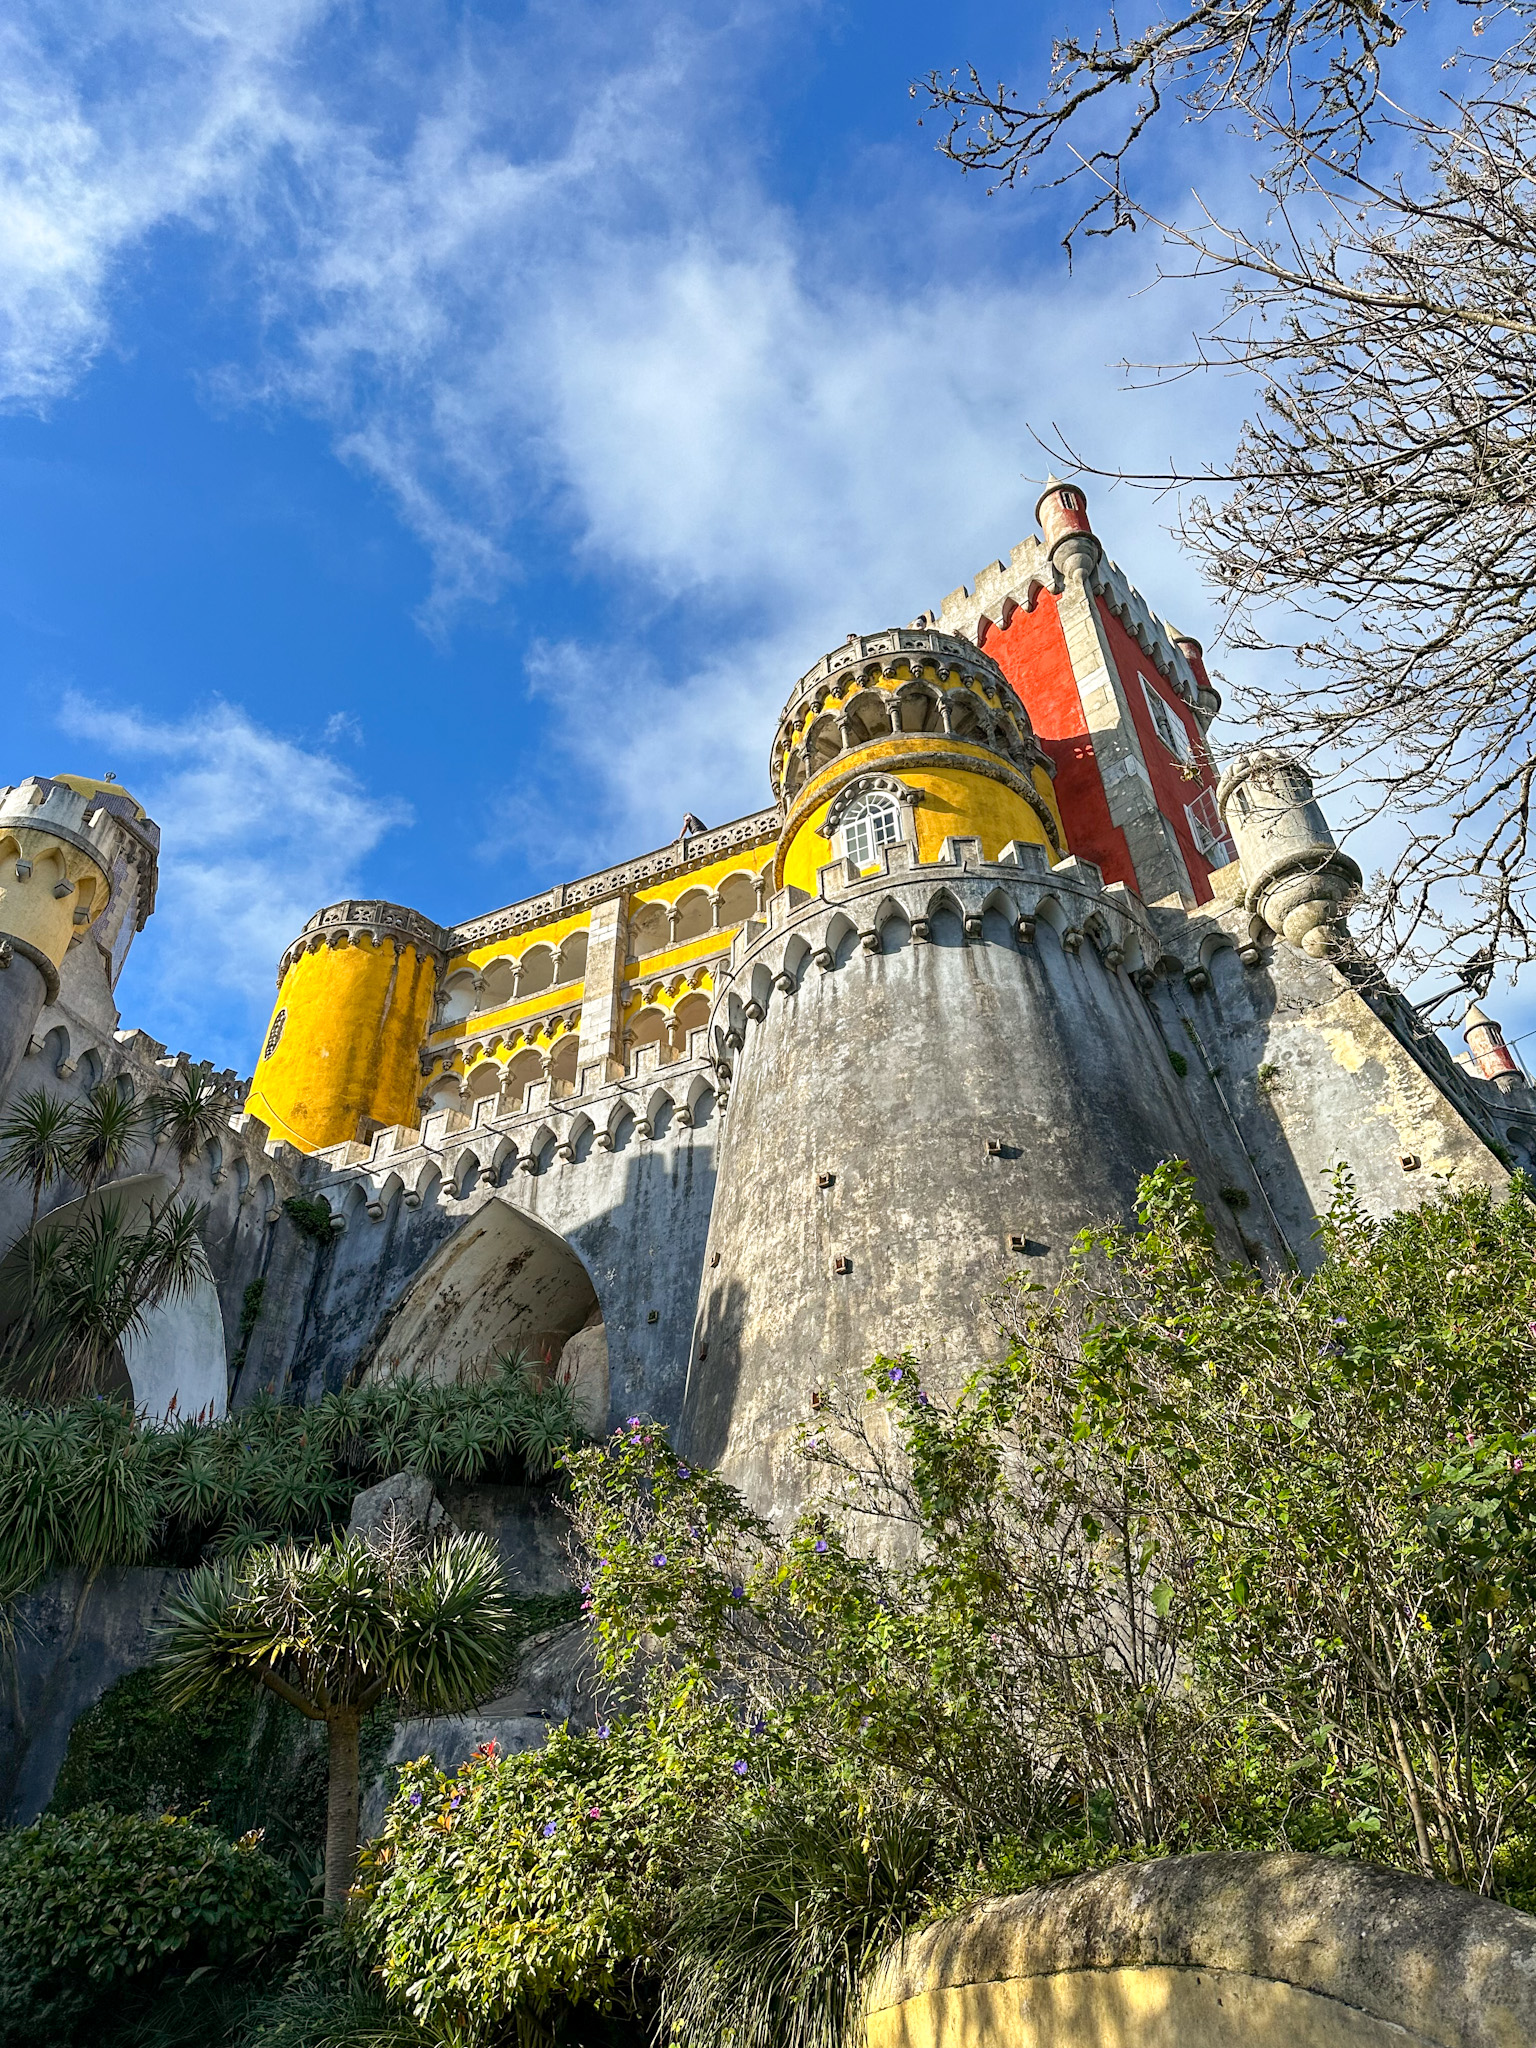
1316	1951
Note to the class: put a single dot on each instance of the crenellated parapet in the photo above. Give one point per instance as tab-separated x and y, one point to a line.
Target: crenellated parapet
906	679
79	861
354	923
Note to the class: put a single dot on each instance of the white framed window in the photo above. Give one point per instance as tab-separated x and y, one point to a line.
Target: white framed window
869	824
1166	723
1208	831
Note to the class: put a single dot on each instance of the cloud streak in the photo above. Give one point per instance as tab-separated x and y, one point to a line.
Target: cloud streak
535	296
257	831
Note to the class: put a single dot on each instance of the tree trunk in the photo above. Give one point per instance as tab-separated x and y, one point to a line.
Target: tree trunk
341	1807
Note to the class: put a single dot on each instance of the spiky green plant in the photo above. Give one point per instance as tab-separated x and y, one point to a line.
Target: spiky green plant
105	1128
72	1294
187	1114
778	1927
332	1630
267	1471
37	1142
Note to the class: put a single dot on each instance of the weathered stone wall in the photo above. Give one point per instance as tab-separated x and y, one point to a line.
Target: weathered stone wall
628	1204
940	1074
1221	1951
962	1051
74	1637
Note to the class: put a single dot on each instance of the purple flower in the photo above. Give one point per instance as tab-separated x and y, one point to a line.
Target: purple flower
922	1398
739	1767
738	1592
660	1558
683	1472
821	1546
549	1829
415	1799
603	1732
1517	1465
895	1374
758	1727
633	1423
695	1532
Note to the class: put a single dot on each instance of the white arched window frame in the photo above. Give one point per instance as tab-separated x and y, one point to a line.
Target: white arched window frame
868	824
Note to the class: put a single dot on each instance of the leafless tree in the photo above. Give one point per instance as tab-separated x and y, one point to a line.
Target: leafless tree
1383	495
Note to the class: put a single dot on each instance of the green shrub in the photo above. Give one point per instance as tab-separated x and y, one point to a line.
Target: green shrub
791	1901
237	1764
539	1884
99	1911
310	1215
1207	1560
88	1483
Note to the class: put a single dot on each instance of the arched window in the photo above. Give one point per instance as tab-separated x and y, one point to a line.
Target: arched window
274	1034
869	824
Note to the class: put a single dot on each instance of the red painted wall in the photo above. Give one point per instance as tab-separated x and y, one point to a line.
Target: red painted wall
1170	786
1031	650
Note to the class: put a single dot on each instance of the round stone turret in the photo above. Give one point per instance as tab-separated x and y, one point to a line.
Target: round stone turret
933	1076
79	861
1294	876
903	739
341	1058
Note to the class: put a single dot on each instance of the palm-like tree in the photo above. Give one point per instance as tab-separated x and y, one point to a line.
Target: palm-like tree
333	1630
106	1127
37	1141
70	1296
189	1111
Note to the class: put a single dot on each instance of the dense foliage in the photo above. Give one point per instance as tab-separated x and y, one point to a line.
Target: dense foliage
72	1293
1208	1558
237	1763
1203	1558
88	1483
99	1911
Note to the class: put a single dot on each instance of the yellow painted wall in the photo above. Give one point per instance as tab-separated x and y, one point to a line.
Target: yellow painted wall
356	1018
516	944
956	804
746	860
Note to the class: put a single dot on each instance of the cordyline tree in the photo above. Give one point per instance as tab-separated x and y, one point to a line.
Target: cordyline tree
73	1292
333	1630
1384	492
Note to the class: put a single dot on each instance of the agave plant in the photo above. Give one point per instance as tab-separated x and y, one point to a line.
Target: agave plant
333	1630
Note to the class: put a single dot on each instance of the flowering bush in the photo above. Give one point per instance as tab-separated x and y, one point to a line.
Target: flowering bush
1208	1557
542	1881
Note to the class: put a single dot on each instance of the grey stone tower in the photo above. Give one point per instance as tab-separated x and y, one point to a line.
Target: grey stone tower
78	867
939	1067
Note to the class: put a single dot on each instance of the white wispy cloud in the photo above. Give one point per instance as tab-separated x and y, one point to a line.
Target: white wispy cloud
520	279
257	830
115	121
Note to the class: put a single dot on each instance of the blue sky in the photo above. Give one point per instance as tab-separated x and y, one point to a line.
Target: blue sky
435	439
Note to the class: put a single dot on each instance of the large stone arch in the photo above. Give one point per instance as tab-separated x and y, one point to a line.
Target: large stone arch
502	1282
